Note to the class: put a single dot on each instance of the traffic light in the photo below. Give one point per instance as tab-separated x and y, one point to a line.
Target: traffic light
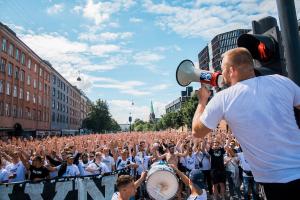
265	46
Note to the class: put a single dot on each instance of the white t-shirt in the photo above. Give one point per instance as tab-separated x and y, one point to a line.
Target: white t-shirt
99	168
115	196
143	163
190	162
4	175
243	163
206	165
72	170
260	113
17	169
82	169
109	162
203	196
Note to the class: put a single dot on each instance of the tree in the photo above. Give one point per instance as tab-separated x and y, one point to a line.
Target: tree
188	110
99	119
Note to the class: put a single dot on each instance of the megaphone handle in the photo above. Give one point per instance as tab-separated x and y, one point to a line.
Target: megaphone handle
209	87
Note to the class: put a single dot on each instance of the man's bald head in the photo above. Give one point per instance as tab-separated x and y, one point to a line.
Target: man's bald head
239	57
237	65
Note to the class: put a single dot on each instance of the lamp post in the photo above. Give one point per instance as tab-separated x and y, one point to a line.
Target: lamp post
130	120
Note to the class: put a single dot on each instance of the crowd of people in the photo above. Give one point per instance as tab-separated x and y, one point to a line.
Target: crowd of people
218	157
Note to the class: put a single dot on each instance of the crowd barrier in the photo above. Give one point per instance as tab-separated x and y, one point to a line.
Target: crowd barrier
70	188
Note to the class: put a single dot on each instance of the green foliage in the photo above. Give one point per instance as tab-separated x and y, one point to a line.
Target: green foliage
99	119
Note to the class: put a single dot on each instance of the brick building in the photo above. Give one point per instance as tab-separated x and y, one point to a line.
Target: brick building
34	98
24	86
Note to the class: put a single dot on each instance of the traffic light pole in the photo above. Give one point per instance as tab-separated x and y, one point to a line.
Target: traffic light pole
291	42
290	37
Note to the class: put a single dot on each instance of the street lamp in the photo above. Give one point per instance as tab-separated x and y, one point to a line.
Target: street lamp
130	120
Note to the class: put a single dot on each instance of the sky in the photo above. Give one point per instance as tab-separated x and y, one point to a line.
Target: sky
127	50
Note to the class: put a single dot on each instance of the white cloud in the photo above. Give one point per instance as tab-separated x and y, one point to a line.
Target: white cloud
77	9
160	87
206	18
56	8
147	58
126	87
106	36
104	49
135	20
101	12
121	109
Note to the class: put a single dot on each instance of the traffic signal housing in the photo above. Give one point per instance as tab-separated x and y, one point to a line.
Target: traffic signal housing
265	47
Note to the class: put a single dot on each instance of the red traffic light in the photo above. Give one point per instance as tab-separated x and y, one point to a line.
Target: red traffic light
261	47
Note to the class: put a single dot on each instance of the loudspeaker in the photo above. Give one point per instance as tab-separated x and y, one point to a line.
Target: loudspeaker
187	72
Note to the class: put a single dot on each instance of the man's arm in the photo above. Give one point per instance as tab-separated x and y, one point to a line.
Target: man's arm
140	180
199	130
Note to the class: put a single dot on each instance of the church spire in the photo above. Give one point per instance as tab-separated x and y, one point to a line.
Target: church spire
152	114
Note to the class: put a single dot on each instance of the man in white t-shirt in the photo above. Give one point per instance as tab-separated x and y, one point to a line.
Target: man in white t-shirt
97	167
108	160
260	113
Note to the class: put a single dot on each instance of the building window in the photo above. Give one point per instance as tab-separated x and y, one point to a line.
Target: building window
39	115
21	93
57	118
33	98
1	86
22	75
34	114
29	63
27	96
40	86
1	108
57	106
2	65
8	88
35	67
27	113
54	79
28	79
34	83
4	43
7	109
53	92
17	54
20	112
53	104
23	59
15	111
16	73
40	100
15	93
9	69
41	71
11	50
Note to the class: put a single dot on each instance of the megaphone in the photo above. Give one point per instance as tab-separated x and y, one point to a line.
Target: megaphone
187	72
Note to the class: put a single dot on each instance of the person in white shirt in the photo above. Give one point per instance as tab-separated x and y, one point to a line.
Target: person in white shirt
260	113
108	160
3	172
16	169
195	181
248	180
83	164
70	169
124	163
97	167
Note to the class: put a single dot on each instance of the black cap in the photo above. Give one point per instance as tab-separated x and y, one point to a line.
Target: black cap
197	178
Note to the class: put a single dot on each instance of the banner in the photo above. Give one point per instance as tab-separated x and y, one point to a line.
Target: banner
81	188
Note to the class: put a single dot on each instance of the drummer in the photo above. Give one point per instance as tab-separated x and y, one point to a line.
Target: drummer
171	156
195	181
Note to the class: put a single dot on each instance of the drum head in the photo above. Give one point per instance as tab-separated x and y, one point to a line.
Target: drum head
162	185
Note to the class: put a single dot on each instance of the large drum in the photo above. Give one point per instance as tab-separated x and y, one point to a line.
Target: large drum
161	182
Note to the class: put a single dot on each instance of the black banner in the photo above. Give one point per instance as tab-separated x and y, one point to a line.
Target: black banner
81	188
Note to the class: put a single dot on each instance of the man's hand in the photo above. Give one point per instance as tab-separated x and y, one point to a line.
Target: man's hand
203	95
